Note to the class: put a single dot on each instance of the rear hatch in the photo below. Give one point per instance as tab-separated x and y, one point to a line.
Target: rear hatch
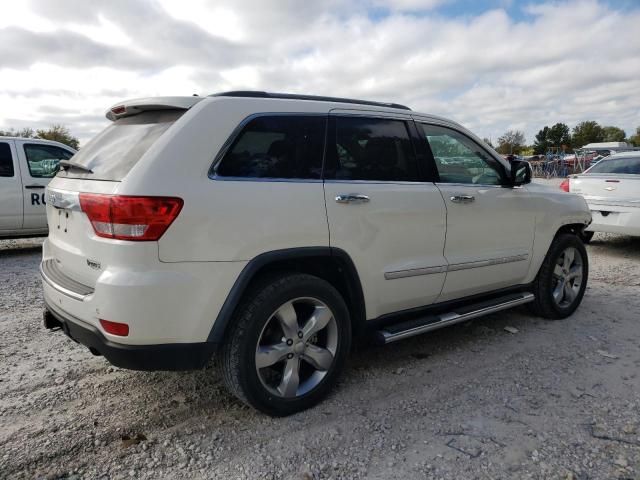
87	218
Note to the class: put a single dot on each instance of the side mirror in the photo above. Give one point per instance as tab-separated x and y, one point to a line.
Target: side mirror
521	173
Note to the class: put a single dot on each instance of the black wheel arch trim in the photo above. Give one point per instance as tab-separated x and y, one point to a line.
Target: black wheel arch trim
249	272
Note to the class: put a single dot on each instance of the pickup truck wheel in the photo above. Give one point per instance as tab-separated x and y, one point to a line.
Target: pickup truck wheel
562	279
287	345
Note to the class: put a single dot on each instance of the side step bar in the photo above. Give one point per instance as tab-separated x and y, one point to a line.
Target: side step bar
418	326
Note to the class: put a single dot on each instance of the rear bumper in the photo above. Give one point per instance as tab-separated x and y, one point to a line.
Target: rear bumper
615	219
174	303
173	356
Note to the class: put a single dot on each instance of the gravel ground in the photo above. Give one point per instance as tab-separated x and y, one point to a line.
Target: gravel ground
554	400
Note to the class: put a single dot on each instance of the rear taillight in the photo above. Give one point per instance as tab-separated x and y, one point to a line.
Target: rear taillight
565	185
130	218
115	328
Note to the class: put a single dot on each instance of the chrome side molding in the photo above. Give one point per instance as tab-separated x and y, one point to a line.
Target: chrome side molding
487	263
414	272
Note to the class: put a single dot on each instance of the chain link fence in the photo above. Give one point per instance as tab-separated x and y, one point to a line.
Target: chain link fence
559	165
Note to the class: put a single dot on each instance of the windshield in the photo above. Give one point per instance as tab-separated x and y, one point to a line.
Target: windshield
625	165
114	151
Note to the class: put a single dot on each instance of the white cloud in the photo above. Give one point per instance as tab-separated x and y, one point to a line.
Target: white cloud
242	78
222	22
20	14
566	61
409	5
103	32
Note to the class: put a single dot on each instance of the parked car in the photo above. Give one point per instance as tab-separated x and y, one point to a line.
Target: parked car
26	167
272	230
611	188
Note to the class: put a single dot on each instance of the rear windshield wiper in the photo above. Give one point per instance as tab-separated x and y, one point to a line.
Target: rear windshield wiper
66	164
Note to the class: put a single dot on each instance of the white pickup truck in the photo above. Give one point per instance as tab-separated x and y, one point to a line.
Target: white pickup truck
26	167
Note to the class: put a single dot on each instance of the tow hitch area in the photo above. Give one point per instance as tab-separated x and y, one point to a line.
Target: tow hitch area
51	322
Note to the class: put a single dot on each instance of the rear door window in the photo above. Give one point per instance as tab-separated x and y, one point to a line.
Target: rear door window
374	149
277	146
6	160
43	160
114	151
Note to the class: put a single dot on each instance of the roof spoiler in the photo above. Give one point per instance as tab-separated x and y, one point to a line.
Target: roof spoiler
138	105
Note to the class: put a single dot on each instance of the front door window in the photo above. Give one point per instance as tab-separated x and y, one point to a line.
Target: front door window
459	159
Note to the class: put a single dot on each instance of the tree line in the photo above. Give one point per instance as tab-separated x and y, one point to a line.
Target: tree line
559	136
58	133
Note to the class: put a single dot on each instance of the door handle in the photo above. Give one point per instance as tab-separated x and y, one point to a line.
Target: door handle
352	198
463	199
32	187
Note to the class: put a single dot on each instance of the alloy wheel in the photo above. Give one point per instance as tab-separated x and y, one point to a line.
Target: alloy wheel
567	277
296	347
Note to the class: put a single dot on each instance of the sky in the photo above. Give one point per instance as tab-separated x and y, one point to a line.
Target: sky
491	65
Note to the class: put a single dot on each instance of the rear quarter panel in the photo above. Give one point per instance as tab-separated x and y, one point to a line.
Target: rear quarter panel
224	220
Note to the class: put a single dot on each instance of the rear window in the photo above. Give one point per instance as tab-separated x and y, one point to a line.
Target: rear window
114	151
628	165
279	146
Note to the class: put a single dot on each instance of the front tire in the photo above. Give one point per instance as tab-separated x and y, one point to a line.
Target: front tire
288	343
562	279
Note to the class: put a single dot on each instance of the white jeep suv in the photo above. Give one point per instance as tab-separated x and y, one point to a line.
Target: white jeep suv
272	230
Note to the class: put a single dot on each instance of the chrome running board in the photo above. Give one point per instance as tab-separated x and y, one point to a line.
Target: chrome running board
418	326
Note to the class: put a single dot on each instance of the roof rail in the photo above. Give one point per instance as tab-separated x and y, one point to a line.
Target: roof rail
316	98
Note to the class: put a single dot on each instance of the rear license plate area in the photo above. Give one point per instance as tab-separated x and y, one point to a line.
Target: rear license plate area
62	219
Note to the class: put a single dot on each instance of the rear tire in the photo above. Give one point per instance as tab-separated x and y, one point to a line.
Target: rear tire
562	279
288	343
